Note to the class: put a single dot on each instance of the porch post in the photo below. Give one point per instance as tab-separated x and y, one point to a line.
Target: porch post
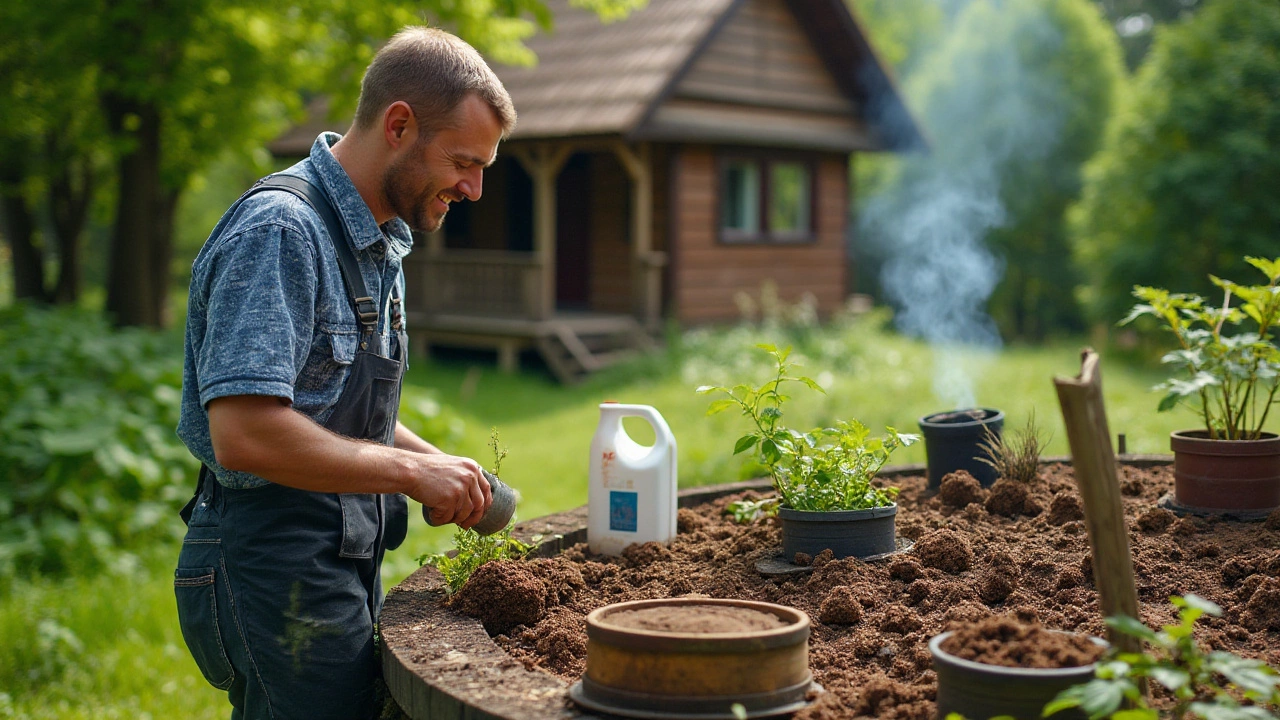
646	264
543	164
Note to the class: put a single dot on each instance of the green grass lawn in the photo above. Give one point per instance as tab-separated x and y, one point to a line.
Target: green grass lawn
109	646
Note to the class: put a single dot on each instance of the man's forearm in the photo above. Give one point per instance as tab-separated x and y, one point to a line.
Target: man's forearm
267	438
271	440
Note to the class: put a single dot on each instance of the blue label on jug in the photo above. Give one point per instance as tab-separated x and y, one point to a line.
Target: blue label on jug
622	510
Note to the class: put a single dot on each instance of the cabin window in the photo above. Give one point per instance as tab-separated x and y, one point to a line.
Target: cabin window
740	198
765	200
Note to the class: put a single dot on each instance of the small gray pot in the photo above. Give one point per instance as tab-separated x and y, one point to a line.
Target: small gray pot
848	533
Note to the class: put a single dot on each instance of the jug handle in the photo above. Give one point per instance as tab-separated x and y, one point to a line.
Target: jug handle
661	431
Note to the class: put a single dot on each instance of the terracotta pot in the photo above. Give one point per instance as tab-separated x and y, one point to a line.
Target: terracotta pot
848	533
636	672
978	690
1226	475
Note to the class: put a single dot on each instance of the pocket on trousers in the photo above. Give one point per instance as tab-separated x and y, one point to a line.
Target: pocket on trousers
359	525
198	618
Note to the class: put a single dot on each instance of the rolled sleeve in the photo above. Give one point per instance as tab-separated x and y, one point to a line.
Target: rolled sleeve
260	310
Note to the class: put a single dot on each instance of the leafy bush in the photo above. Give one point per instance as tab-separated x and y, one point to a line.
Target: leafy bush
89	462
1183	184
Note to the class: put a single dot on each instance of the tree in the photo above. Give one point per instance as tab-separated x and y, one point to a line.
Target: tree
176	82
50	159
1136	22
1014	101
1185	182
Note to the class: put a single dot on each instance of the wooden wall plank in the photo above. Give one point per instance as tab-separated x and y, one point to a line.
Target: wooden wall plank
709	273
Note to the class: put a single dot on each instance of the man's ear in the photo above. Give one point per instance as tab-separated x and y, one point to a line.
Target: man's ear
399	125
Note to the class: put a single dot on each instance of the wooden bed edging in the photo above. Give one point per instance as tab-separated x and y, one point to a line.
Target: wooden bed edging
440	665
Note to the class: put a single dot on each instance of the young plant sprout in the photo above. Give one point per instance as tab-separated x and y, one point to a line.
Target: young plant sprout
1018	456
823	469
471	549
1203	685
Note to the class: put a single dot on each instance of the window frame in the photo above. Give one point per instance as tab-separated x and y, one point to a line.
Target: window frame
764	160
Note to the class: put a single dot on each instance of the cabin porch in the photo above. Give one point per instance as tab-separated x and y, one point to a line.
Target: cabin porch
559	257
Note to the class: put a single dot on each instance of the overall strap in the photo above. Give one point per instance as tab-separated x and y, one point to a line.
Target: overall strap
366	307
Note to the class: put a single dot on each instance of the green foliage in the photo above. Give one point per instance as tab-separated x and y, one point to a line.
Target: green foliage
1193	677
1183	183
824	469
470	551
1230	378
89	462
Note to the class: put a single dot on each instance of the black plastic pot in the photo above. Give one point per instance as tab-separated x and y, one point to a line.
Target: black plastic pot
977	690
953	439
848	533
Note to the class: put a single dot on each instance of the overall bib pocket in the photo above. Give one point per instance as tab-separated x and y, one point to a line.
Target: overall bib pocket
198	617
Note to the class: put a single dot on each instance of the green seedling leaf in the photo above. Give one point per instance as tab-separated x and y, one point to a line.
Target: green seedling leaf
1224	711
1191	600
1171	678
746	442
1130	626
720	406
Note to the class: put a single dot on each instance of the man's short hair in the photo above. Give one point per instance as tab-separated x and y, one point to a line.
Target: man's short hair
433	71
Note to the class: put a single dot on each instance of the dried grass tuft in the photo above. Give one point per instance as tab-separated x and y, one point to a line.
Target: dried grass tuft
1017	455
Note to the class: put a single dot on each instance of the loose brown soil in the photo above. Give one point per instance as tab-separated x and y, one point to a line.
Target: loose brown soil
1009	642
702	619
872	622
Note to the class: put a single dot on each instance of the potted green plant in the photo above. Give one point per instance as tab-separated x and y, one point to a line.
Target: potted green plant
826	498
1227	369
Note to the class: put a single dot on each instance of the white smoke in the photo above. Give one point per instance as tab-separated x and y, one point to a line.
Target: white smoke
982	109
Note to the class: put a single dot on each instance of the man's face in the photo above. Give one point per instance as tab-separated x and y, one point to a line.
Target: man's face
445	168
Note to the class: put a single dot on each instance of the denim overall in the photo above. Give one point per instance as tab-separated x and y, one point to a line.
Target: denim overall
279	589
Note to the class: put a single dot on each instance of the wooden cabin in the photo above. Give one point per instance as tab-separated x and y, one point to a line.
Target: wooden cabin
661	165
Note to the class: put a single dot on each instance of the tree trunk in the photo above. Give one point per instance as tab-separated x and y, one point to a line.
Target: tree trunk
20	229
70	192
130	297
162	252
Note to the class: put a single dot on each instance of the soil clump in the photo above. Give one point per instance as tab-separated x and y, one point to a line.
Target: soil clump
872	621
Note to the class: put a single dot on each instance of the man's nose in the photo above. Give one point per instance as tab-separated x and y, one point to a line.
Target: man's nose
472	184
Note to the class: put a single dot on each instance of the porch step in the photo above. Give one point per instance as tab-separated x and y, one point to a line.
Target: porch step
574	350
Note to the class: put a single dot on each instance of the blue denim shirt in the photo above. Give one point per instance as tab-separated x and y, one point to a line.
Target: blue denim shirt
268	313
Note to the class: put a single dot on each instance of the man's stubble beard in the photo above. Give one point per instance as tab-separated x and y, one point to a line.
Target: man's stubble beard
396	187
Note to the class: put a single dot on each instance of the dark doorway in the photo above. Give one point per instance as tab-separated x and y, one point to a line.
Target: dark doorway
573	234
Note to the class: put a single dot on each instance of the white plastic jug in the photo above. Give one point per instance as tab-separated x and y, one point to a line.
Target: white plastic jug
632	495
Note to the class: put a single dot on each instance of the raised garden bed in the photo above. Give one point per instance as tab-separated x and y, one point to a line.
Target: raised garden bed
871	621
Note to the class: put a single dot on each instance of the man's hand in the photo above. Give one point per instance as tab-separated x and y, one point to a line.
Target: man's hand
453	488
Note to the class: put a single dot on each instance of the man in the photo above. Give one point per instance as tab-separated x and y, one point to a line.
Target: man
294	357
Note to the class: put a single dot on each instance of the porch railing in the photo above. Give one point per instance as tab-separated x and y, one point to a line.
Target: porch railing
493	283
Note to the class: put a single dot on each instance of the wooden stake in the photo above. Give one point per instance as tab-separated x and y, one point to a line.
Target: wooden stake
1085	417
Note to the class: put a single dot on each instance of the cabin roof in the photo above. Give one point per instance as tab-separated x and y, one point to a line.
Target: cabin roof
624	78
597	78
